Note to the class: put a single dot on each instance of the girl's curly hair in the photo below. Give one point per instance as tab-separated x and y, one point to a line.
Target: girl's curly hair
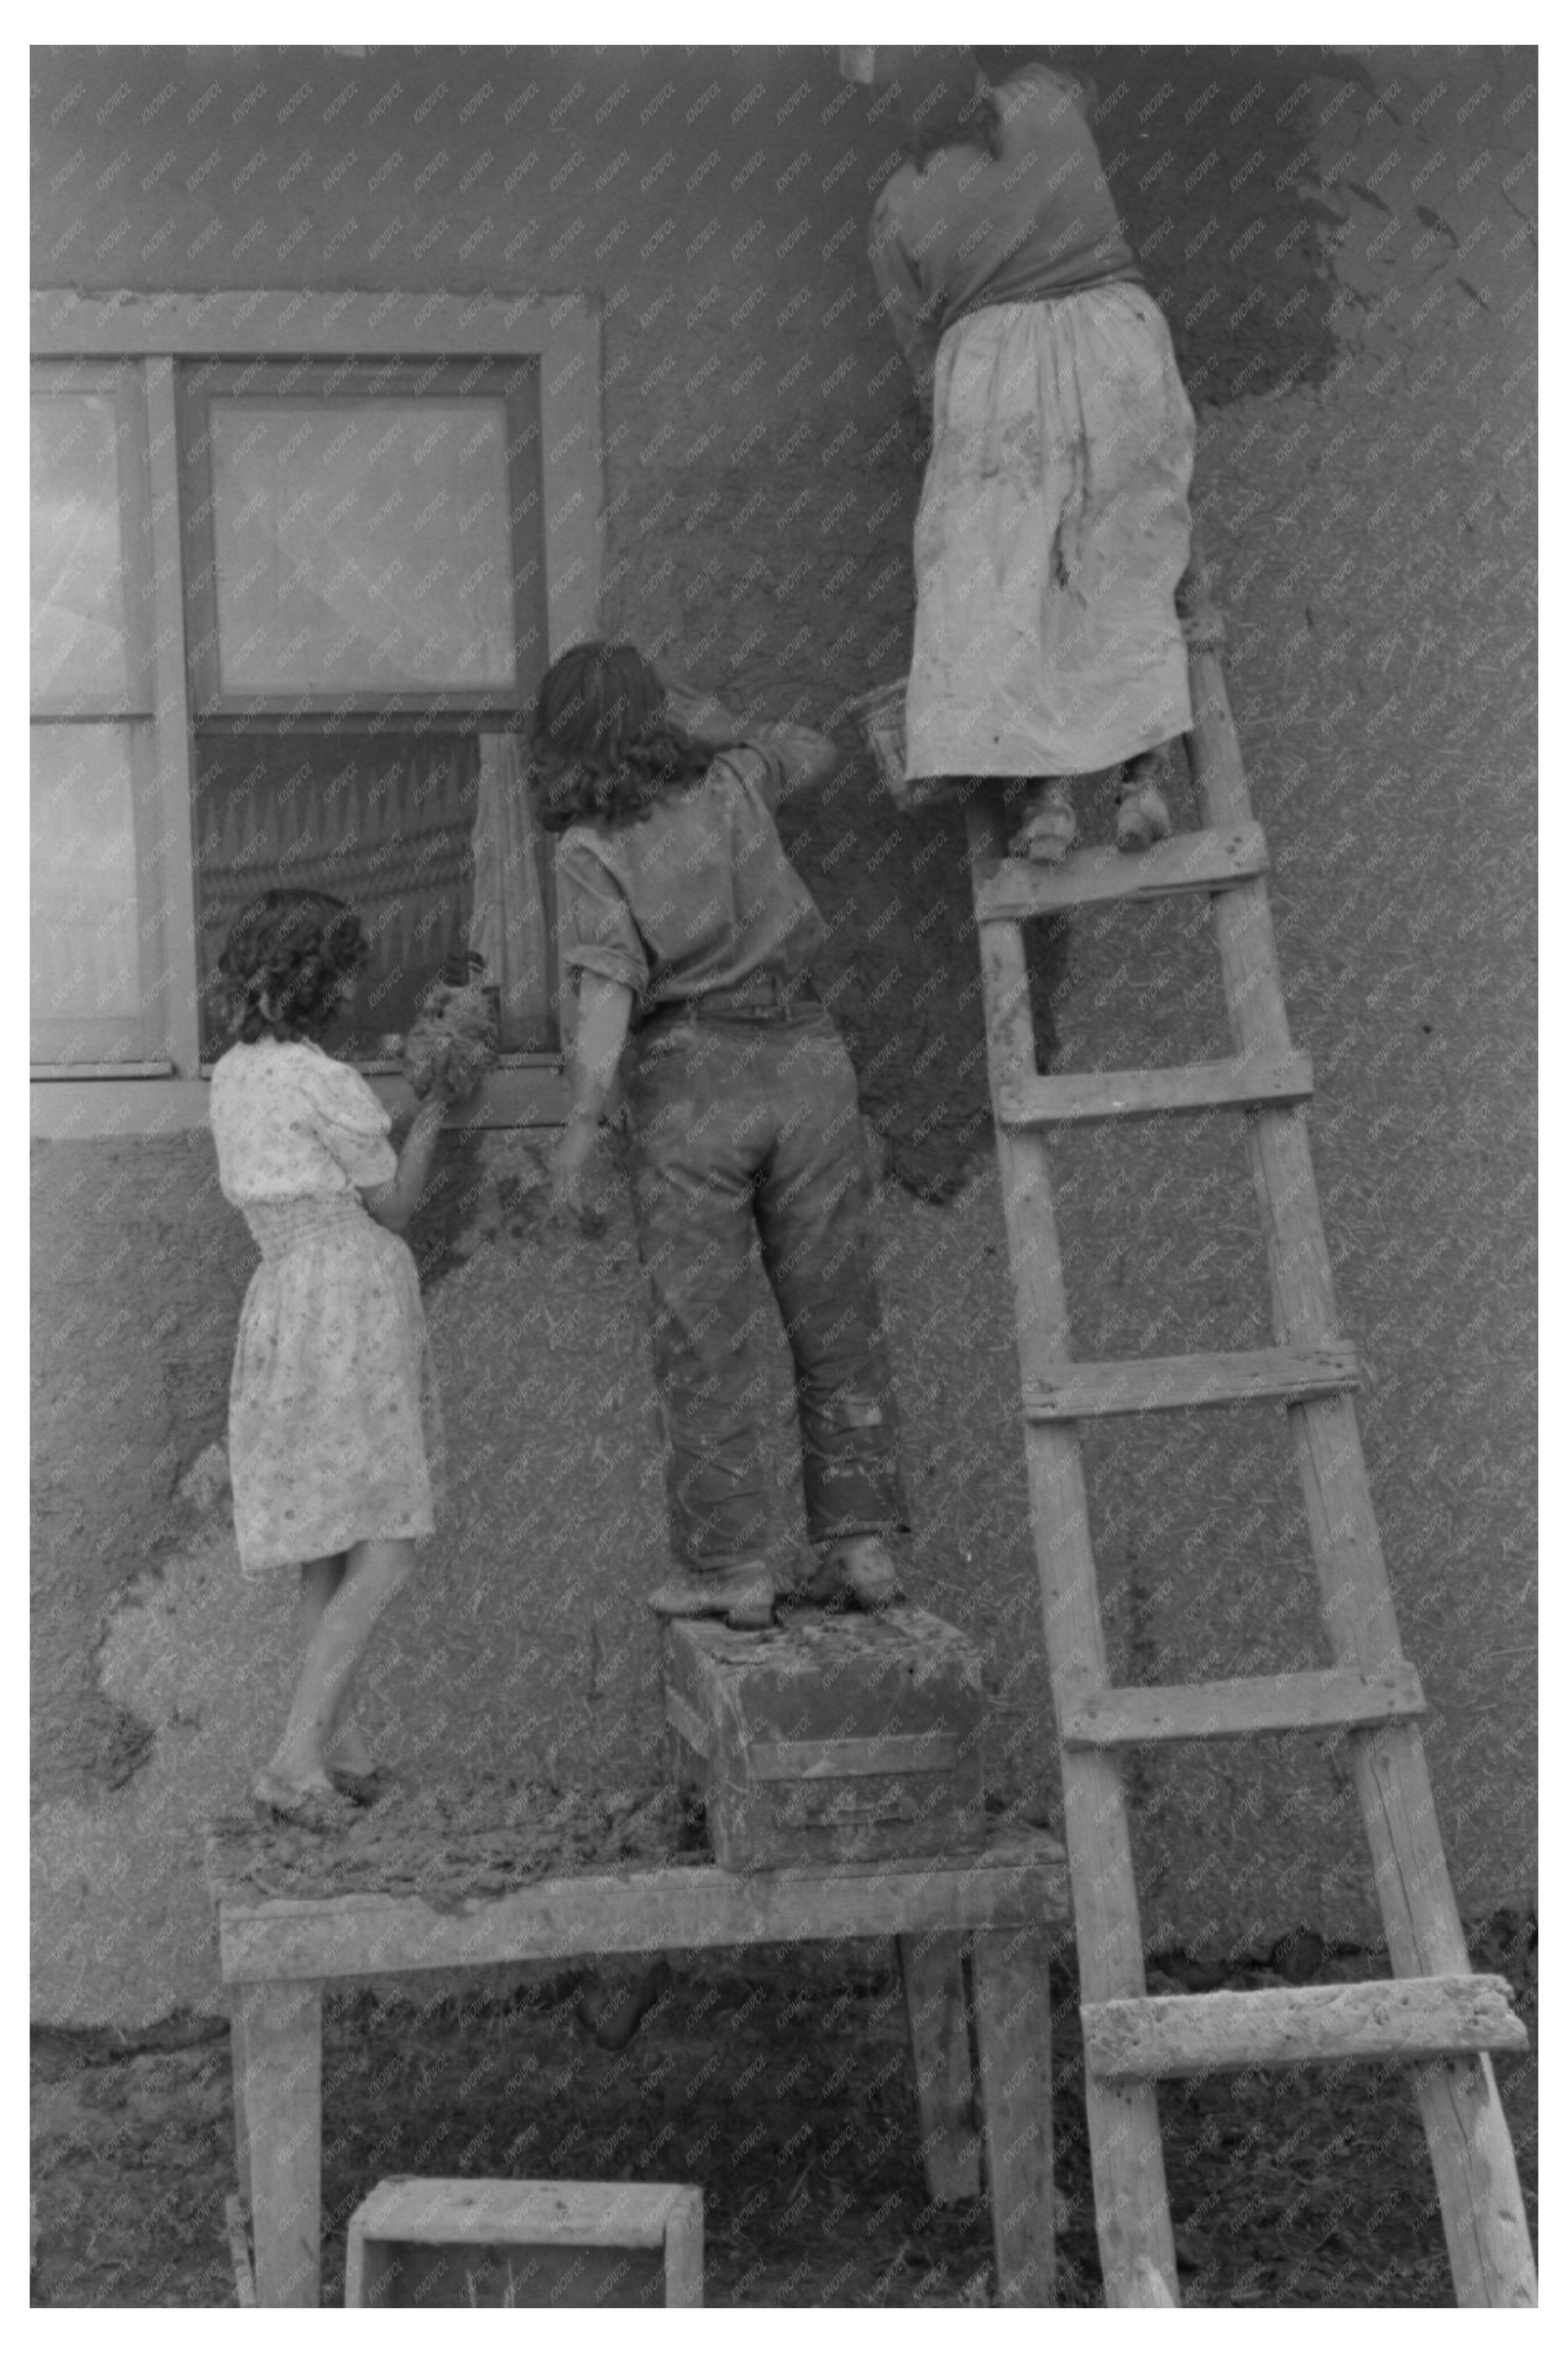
605	745
286	961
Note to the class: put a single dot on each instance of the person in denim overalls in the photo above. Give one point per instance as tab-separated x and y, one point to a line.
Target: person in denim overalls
685	925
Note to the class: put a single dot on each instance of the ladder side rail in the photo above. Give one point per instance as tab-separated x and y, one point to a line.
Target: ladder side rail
1472	2152
1132	2208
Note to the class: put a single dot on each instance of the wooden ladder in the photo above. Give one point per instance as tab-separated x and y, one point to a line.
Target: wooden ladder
1434	2012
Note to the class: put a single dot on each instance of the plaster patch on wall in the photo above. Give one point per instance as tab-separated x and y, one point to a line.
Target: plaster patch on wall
121	1926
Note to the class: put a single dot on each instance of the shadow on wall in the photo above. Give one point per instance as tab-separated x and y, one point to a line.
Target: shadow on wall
894	893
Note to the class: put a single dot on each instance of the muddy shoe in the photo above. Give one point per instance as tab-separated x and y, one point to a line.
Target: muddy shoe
1049	827
857	1574
741	1595
1141	817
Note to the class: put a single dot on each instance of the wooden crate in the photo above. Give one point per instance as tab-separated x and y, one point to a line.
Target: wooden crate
526	2244
832	1739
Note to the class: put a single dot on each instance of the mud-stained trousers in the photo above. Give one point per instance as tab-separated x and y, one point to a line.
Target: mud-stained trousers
746	1139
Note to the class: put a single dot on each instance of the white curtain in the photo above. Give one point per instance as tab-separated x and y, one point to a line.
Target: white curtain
510	926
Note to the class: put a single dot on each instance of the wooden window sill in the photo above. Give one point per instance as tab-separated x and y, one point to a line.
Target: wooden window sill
529	1091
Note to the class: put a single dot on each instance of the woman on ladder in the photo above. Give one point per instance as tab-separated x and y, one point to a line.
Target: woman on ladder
1053	527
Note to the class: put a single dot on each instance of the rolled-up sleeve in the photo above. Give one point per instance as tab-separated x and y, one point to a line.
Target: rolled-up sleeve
764	759
597	930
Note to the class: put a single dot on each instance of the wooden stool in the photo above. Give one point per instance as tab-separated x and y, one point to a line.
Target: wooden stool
999	1908
560	2244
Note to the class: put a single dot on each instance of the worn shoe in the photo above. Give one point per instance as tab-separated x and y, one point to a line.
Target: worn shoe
1049	827
742	1596
1141	817
856	1573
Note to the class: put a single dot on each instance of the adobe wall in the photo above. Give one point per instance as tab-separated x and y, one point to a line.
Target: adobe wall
1365	478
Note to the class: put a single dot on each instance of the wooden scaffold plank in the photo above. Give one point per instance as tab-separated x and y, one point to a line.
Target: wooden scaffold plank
1013	2026
933	1970
1221	2033
1316	1700
669	1909
1010	890
1166	1384
277	2032
1084	1098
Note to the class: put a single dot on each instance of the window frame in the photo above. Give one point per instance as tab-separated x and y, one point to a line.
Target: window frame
121	381
126	1044
468	709
563	334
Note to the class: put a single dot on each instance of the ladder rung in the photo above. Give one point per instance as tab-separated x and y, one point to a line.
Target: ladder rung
1016	887
1328	1699
1077	1097
1169	1384
1218	2033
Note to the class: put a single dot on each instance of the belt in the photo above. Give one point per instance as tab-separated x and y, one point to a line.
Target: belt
766	998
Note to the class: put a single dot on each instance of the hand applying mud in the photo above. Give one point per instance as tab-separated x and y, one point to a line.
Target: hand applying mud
604	1014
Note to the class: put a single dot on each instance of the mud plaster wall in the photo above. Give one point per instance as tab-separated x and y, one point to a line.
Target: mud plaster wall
761	476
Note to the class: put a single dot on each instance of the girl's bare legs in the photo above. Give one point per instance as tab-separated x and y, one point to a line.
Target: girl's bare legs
345	1746
342	1602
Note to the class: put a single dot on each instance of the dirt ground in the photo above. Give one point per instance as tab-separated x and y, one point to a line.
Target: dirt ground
1315	2193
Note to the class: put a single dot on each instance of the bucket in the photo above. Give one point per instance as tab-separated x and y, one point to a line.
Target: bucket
880	718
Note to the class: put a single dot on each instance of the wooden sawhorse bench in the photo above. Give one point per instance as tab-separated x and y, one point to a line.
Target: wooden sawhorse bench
1000	1907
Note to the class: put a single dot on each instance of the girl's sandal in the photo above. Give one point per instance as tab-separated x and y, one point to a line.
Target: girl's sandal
1049	830
1141	817
293	1801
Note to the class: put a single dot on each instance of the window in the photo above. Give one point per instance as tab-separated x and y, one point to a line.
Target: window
361	540
96	932
298	564
364	624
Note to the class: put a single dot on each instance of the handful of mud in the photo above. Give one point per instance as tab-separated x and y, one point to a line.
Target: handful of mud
452	1042
465	1836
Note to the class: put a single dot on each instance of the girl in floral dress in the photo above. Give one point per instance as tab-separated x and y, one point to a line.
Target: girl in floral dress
333	1419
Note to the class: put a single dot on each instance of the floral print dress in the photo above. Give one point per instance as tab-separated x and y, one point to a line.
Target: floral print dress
335	1423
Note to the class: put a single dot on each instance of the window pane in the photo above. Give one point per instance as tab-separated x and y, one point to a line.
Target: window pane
361	546
79	643
84	949
385	821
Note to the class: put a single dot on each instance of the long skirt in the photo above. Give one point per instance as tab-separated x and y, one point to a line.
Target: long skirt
1052	532
334	1428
